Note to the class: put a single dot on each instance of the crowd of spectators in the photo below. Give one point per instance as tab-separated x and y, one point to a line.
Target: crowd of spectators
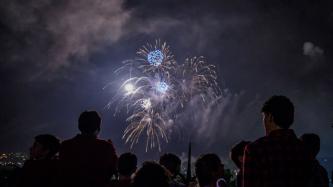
278	159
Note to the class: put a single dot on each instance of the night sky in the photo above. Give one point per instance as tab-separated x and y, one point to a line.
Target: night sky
57	55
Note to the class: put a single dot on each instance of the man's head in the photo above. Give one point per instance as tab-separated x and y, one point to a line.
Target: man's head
45	147
311	142
278	112
237	153
171	162
127	164
89	122
208	169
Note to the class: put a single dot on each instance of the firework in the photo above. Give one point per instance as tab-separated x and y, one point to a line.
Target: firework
197	78
149	121
162	87
155	57
156	60
156	87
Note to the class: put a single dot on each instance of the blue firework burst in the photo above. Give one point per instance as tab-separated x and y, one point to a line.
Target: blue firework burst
162	87
155	57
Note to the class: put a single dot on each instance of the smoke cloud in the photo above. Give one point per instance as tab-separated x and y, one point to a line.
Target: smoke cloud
309	49
52	33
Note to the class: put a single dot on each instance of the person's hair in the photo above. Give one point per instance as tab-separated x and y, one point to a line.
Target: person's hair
89	122
282	110
151	174
171	162
311	142
49	142
237	151
205	166
127	164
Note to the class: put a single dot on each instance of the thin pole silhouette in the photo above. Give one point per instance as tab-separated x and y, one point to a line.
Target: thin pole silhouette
188	173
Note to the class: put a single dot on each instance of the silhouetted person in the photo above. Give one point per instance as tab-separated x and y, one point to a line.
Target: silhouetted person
42	167
319	175
173	164
237	156
278	159
127	165
209	171
85	159
151	174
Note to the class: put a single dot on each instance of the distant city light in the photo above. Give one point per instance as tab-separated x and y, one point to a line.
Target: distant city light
12	159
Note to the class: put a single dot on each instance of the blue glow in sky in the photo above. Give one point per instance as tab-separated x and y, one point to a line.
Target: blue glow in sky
162	87
155	57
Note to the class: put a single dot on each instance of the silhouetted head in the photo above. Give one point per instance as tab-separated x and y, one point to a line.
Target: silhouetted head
278	110
89	122
171	162
209	169
237	153
151	174
127	164
311	142
45	146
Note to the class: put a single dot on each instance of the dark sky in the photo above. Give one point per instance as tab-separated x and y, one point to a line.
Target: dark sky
57	55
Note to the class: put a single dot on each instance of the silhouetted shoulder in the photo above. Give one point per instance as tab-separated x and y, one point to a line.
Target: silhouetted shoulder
66	142
103	142
71	140
106	146
262	140
258	143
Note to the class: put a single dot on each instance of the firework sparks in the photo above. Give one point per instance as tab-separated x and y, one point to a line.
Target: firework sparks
152	123
198	78
157	60
162	87
129	88
157	88
146	104
155	57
